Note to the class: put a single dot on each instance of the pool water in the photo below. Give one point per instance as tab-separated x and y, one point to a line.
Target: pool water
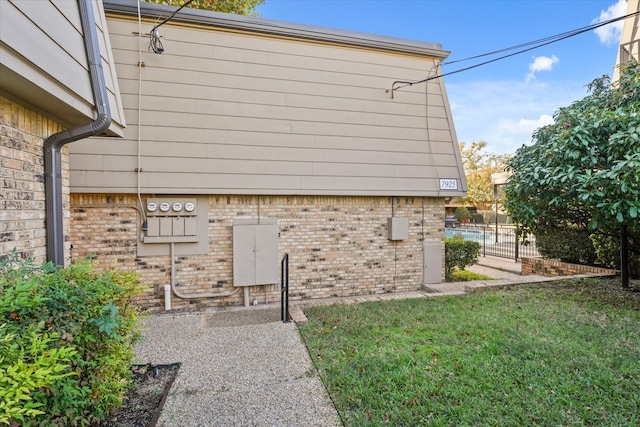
475	235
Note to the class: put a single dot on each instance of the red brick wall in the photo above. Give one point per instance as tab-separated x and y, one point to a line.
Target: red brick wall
551	268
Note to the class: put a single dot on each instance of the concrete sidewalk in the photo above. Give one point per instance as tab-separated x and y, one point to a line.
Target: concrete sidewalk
504	272
244	367
239	368
500	264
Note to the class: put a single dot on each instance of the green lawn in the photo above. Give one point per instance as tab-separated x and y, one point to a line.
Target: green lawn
564	353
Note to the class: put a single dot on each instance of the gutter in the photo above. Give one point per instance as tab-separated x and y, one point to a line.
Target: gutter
53	145
192	16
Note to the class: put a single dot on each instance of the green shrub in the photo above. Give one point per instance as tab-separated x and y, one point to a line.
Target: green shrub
467	276
462	213
608	251
29	362
459	254
477	218
568	244
77	330
490	217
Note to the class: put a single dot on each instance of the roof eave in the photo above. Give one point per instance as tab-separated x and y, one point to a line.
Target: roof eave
277	28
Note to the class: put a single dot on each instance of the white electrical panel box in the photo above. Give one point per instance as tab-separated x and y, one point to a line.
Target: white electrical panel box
171	219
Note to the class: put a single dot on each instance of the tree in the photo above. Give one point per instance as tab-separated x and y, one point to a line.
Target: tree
239	7
462	214
584	169
478	166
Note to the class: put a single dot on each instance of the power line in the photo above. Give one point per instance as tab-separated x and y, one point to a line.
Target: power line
155	44
534	45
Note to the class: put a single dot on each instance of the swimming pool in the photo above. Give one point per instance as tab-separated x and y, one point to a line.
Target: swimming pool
485	235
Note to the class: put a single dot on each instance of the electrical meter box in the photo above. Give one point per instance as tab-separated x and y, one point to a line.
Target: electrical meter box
171	219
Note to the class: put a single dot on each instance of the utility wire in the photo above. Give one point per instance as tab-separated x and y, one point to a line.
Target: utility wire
155	44
536	44
543	40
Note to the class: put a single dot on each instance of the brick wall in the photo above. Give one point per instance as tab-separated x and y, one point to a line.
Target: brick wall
22	205
338	246
551	268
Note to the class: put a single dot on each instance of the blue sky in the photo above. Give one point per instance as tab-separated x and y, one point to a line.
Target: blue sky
503	102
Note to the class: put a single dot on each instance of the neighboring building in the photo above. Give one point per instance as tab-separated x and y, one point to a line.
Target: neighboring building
630	38
248	139
45	94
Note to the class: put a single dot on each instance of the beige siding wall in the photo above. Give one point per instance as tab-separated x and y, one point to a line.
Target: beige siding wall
22	206
630	38
240	113
44	64
338	246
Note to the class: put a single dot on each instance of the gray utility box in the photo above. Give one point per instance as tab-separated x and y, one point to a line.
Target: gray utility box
255	252
432	262
398	228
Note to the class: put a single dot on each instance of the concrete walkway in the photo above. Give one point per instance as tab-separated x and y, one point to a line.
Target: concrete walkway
239	368
504	272
243	367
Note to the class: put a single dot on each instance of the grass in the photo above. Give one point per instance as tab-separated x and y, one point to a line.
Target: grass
557	354
466	276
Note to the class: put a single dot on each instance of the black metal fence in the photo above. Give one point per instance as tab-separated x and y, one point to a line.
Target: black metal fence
502	241
284	289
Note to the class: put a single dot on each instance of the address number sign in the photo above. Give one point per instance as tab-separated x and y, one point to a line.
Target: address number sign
449	184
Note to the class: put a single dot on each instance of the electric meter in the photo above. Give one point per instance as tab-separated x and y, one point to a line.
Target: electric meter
189	207
165	206
152	206
177	206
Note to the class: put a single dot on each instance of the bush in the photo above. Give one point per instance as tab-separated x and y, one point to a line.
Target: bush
608	251
29	361
67	342
467	276
568	244
459	254
477	218
489	217
462	214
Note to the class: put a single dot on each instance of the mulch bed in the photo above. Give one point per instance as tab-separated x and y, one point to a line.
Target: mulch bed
144	401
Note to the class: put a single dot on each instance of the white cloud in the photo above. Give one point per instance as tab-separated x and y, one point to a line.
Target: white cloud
524	126
543	63
540	63
610	34
505	113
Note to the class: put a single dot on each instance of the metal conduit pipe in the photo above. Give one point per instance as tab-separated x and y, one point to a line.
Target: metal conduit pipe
192	296
53	145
